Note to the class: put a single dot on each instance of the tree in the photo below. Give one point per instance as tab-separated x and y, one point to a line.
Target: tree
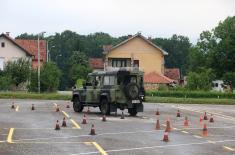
200	80
229	79
18	71
79	67
178	50
50	76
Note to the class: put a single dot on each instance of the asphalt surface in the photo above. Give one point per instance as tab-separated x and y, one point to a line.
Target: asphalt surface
26	132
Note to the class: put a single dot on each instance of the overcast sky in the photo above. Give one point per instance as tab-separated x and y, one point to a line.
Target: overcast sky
155	18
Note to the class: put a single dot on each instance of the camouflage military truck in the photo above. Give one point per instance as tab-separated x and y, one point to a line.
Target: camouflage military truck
110	90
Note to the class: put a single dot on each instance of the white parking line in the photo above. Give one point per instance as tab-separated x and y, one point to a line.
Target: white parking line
184	131
196	136
155	147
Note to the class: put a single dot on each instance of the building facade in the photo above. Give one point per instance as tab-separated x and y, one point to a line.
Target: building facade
13	49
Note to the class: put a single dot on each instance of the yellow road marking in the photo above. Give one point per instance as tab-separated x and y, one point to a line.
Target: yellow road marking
10	134
17	108
184	131
65	114
88	143
99	148
229	148
48	142
75	124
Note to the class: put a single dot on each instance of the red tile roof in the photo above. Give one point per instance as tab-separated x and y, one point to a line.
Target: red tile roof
172	73
32	47
154	77
15	43
96	63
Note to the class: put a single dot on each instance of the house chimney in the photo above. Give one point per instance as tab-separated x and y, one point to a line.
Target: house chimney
8	34
129	36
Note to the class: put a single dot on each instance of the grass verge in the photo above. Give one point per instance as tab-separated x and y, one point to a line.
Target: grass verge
42	96
156	99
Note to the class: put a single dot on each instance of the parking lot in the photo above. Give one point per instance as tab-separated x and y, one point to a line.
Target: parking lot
26	131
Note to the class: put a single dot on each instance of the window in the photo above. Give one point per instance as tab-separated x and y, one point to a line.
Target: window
2	44
1	63
120	62
136	63
109	80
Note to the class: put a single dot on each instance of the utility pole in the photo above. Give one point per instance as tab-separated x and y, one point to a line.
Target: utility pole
39	60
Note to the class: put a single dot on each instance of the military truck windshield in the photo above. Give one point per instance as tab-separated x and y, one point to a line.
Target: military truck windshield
109	80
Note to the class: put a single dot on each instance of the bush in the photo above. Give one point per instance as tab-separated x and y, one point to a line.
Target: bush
201	80
18	71
49	78
5	82
190	94
229	79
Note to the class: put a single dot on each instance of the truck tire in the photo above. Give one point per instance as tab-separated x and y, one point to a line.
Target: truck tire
132	111
132	91
77	105
104	107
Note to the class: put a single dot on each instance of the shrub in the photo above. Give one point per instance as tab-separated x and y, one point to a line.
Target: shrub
18	71
5	82
49	78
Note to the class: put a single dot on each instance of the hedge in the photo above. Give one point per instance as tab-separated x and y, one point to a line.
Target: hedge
191	94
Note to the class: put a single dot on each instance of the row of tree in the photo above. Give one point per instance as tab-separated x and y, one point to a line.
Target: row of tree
213	54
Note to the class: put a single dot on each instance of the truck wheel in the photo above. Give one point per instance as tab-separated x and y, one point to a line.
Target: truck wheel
104	107
77	105
132	111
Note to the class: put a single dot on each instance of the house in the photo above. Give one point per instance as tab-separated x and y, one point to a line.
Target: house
138	51
13	49
173	73
10	50
32	47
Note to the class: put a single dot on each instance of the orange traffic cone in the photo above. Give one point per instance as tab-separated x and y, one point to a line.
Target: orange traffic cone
64	124
165	137
178	113
158	125
201	118
157	112
122	116
33	108
205	116
186	121
204	130
104	118
92	130
57	126
84	119
13	105
57	108
168	126
211	119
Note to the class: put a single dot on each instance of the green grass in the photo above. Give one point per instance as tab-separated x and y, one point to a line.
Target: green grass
155	99
191	94
190	100
42	96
